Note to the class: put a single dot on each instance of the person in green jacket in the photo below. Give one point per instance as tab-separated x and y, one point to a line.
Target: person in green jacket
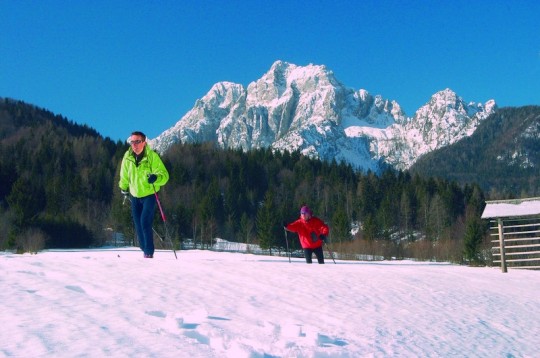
142	174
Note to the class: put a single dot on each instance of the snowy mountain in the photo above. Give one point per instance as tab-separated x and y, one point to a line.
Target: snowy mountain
306	108
444	120
502	155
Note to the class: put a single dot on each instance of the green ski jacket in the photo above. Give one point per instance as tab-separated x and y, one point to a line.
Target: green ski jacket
135	177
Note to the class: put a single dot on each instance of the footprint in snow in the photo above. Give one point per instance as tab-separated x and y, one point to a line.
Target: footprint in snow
158	314
325	341
75	288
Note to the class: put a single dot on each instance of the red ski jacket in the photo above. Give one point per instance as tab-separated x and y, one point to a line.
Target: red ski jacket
305	228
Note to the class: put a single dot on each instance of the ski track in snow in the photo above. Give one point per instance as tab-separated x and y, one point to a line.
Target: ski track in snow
97	303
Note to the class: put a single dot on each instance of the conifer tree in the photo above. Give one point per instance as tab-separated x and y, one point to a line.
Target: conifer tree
266	223
341	228
473	240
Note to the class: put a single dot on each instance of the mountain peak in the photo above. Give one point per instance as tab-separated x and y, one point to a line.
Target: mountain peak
283	74
446	95
306	108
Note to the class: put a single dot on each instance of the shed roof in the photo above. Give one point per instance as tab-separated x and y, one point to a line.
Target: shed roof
511	208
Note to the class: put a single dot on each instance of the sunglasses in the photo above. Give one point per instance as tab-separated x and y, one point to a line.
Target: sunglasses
138	141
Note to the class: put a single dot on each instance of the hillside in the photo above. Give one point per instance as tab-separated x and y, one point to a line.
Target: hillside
502	155
57	178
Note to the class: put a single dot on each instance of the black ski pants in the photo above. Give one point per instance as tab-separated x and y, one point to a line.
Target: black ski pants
308	253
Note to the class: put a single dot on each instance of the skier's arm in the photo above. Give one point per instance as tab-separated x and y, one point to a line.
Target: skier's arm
123	183
293	227
159	170
323	229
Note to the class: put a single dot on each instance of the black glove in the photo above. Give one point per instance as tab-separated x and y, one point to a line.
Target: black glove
323	238
284	225
152	178
314	237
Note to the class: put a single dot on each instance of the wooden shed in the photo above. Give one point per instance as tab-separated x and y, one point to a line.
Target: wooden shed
515	226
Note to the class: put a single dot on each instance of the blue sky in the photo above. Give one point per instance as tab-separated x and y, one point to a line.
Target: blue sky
120	66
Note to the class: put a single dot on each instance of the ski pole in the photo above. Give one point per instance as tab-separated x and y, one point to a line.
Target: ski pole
330	252
164	221
158	235
287	243
134	228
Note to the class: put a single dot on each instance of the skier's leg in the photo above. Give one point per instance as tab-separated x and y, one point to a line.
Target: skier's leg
147	219
136	210
307	254
320	254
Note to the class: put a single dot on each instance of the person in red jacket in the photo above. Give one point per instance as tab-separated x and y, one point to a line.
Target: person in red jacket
311	231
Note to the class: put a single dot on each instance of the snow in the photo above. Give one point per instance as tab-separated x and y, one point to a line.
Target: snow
511	208
354	131
113	302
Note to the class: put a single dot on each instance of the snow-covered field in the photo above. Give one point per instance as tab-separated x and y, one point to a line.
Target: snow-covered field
112	302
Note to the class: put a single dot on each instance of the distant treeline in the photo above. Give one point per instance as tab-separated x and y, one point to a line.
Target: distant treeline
59	185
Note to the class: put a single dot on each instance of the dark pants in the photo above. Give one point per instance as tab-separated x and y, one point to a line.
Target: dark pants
142	210
318	252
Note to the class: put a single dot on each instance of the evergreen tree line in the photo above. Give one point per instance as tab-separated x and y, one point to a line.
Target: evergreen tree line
60	190
57	179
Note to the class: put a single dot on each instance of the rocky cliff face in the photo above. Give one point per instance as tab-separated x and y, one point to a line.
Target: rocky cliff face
444	120
307	109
